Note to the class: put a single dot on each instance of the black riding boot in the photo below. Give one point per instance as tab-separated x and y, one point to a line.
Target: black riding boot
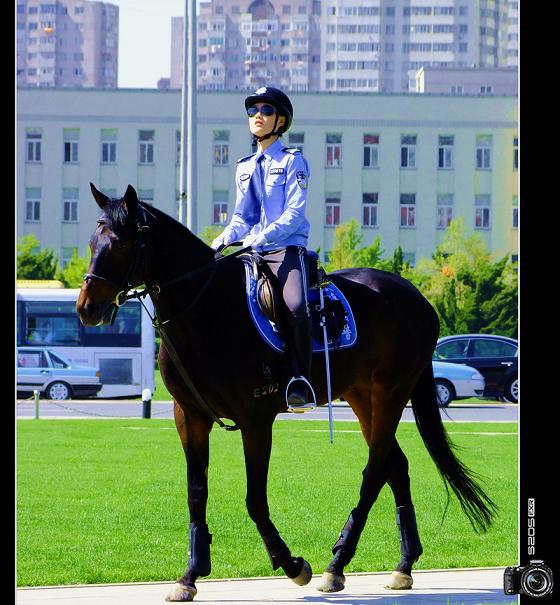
300	396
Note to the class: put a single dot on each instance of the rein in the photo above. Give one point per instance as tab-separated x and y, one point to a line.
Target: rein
141	257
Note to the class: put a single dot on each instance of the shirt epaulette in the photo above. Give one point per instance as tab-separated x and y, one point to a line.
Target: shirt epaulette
245	158
292	150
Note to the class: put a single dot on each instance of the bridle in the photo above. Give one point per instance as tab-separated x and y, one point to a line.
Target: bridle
142	258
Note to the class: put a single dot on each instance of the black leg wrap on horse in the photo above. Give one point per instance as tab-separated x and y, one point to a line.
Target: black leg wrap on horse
411	548
345	547
199	549
276	548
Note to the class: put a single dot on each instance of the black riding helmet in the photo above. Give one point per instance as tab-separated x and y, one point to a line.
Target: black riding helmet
279	100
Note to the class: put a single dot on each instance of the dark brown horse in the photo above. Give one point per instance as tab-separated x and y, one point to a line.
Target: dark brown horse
212	361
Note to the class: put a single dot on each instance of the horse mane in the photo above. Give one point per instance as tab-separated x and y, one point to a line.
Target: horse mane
116	213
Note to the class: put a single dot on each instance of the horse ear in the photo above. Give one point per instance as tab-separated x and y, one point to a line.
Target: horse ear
100	198
131	200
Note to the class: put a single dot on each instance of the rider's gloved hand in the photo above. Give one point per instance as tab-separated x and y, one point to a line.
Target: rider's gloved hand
254	240
222	240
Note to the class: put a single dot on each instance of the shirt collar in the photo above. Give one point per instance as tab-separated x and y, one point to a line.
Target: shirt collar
273	149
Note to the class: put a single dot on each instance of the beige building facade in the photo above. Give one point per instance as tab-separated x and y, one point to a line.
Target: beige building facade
67	43
402	165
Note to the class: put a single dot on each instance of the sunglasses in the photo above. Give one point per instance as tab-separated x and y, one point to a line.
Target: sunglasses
265	110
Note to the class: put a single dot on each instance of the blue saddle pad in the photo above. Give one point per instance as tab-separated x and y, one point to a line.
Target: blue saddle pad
269	331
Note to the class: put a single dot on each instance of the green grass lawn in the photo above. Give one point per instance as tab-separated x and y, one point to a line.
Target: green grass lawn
105	500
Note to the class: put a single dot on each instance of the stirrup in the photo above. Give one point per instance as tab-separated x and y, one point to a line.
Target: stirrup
303	407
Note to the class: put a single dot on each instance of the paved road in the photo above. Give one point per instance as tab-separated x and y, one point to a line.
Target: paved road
487	412
448	587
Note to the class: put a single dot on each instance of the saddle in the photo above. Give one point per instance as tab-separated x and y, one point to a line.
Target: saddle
268	309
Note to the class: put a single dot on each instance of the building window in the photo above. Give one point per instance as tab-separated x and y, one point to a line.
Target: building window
108	145
408	209
296	139
32	204
146	195
71	138
457	89
515	153
220	207
482	211
146	146
334	150
408	151
332	209
369	209
486	90
67	253
33	138
221	147
483	152
445	152
371	150
70	197
515	217
444	210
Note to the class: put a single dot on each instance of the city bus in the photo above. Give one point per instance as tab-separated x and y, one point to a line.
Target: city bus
123	352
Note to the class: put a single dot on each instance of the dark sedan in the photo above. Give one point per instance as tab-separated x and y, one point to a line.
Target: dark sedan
495	357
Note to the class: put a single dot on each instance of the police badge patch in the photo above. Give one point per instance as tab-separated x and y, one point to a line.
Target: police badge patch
301	179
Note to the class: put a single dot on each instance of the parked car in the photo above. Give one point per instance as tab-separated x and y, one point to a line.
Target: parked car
495	357
455	381
53	375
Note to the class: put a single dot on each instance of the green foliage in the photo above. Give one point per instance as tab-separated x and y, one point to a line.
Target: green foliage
209	234
33	262
471	291
73	273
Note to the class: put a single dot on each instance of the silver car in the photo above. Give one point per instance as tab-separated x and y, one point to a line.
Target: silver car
53	375
456	381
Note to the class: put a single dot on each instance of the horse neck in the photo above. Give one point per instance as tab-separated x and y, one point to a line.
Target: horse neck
175	251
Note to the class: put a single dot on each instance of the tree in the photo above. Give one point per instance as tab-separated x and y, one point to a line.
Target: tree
34	263
471	292
346	252
73	273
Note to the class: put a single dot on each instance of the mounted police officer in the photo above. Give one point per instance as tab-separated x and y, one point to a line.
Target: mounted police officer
269	216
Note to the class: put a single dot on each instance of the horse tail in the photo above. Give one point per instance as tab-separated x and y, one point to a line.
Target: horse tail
478	507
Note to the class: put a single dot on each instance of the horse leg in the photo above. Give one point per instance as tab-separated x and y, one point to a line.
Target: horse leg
411	547
194	435
257	444
387	403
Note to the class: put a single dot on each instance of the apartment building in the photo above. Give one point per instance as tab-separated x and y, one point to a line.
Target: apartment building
402	165
342	45
67	43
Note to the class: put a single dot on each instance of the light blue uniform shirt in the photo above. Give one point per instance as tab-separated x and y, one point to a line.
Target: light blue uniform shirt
278	199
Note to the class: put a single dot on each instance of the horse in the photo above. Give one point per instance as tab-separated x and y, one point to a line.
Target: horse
201	310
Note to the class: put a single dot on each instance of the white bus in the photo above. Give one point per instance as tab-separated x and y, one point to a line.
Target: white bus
123	352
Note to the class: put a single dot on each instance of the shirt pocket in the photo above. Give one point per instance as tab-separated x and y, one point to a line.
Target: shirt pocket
274	182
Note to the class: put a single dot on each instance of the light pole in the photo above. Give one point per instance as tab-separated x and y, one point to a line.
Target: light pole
187	164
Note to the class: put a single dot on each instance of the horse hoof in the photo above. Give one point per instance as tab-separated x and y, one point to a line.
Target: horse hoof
399	581
331	582
304	575
181	593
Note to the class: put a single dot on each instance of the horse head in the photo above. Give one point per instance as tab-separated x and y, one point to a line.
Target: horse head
114	266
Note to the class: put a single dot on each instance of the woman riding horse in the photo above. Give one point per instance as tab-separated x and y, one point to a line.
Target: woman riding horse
270	214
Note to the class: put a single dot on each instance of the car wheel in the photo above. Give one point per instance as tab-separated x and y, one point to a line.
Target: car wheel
58	390
445	392
511	392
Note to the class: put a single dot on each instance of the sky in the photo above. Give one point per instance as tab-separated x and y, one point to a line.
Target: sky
145	40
